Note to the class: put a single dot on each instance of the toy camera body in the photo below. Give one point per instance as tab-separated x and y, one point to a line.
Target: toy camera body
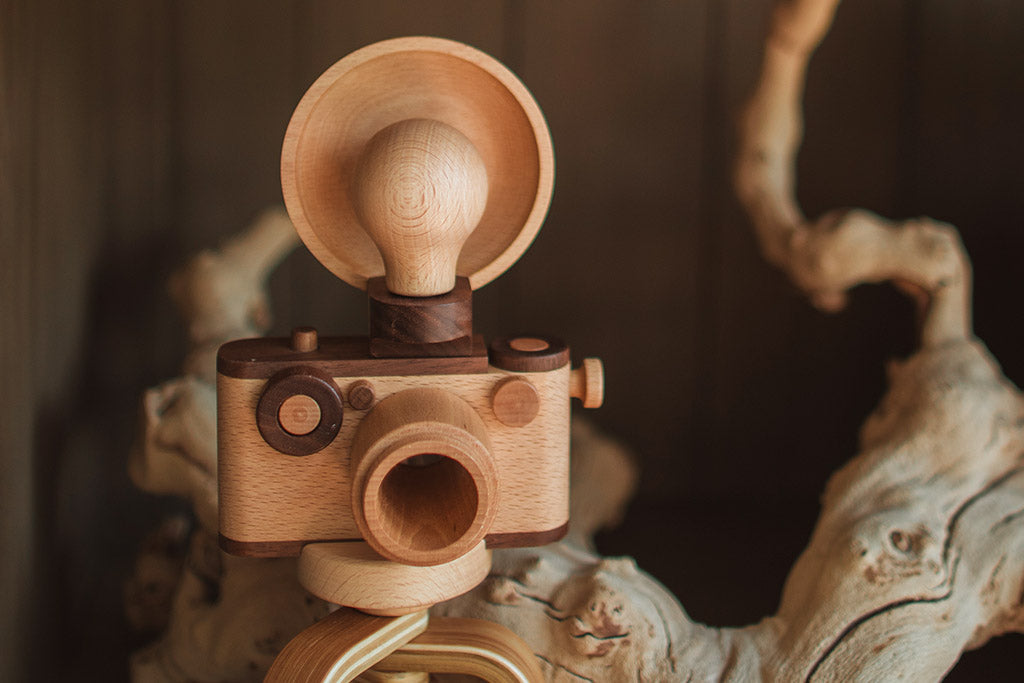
418	169
421	457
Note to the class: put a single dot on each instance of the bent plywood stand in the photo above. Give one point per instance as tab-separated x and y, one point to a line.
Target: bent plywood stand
418	169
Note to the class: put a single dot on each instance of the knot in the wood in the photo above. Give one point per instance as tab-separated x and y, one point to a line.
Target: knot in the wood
596	613
901	554
903	542
419	191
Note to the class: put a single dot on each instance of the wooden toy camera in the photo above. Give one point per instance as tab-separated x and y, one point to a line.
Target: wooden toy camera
418	169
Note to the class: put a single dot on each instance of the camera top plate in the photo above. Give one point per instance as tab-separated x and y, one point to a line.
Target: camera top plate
416	78
263	357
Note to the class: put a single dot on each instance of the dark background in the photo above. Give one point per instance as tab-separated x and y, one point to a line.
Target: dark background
135	133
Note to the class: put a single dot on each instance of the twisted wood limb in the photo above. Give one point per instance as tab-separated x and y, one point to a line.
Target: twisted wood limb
843	248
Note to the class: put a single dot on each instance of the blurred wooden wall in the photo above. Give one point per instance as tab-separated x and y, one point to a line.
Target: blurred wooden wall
135	133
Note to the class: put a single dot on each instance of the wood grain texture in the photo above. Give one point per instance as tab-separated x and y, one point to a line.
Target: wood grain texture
443	321
459	347
268	496
299	414
527	539
374	676
355	575
516	402
308	292
268	549
294	548
344	644
305	339
419	189
340	646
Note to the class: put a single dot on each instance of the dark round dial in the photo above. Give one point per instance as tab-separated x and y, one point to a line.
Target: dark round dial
300	411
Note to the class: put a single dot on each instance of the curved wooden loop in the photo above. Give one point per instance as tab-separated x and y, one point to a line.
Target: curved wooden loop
348	643
342	645
475	647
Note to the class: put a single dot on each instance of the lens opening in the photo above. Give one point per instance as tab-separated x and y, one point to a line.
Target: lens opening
427	502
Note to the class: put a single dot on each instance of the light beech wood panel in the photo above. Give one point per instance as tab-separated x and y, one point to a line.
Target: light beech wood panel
267	496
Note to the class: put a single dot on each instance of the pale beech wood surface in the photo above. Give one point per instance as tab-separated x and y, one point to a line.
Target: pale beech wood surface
267	495
353	574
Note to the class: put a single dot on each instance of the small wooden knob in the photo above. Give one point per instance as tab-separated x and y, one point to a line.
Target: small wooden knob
529	344
361	394
299	414
304	339
515	402
587	383
420	189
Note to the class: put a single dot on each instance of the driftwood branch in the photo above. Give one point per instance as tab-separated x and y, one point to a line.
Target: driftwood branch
917	554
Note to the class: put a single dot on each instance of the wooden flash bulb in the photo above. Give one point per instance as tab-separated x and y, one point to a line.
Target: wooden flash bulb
420	190
418	169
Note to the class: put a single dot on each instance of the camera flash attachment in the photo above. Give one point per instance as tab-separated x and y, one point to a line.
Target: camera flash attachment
418	169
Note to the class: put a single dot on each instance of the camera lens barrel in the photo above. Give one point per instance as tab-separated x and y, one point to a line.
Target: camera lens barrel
424	483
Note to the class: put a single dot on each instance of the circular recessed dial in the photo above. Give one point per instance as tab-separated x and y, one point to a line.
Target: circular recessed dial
528	353
417	79
300	411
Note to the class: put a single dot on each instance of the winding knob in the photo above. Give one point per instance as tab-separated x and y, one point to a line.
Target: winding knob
420	189
587	383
